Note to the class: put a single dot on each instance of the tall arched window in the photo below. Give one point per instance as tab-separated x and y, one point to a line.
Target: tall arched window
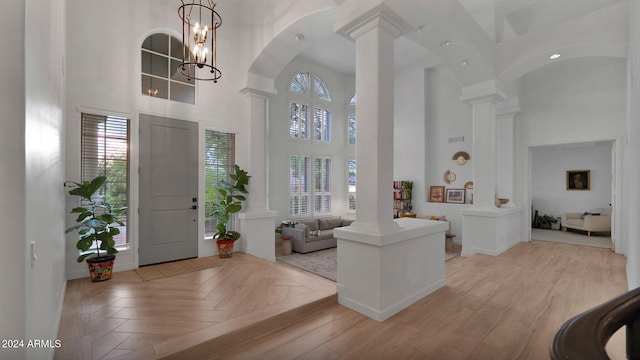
309	175
161	55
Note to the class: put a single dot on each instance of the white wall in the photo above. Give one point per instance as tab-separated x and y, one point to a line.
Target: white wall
568	102
103	58
282	146
548	179
575	100
44	136
32	162
13	259
409	161
447	117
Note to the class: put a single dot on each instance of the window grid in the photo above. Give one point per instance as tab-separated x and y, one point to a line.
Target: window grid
351	130
160	77
299	187
322	125
105	151
299	122
219	158
351	185
322	188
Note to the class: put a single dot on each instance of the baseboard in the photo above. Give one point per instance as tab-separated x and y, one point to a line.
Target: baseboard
492	252
384	314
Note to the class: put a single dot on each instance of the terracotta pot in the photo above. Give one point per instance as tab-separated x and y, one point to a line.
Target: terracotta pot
225	248
100	268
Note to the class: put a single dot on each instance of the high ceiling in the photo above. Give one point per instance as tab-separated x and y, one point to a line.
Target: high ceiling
500	19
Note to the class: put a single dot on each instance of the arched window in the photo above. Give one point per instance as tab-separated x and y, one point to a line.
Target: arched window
300	83
302	100
161	54
321	89
309	174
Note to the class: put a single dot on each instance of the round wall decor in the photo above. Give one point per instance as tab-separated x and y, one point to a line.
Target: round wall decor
468	185
449	176
461	157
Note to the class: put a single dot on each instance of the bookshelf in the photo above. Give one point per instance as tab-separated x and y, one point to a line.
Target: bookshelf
401	197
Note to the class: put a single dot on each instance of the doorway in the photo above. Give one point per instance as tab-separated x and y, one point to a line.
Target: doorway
168	190
553	198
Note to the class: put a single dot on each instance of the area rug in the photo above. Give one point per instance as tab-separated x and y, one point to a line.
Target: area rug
323	262
174	268
568	237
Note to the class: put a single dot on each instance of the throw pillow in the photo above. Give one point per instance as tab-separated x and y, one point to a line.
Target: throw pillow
312	224
329	223
315	232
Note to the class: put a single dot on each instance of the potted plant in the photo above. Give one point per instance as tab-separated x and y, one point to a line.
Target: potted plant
97	223
545	221
228	201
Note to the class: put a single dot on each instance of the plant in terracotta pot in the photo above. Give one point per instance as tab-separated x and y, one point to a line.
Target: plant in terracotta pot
228	201
97	224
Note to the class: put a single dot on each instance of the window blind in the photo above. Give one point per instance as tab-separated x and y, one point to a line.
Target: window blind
105	151
351	181
299	185
219	158
322	188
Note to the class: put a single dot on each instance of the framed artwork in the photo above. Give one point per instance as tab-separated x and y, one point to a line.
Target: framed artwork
578	179
455	196
436	194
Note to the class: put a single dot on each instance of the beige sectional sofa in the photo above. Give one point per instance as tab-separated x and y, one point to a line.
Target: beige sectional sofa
589	222
314	234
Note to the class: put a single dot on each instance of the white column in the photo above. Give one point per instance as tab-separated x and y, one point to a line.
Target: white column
383	265
374	145
486	228
633	163
257	223
505	117
483	97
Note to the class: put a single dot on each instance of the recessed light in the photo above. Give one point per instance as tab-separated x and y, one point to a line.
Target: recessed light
464	62
554	56
420	28
299	37
445	43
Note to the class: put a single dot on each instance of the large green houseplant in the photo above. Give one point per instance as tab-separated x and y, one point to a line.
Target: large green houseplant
228	200
97	223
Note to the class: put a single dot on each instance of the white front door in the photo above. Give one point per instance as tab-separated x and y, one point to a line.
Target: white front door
168	190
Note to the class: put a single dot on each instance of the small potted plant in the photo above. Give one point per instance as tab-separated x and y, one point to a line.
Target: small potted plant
545	221
228	201
97	223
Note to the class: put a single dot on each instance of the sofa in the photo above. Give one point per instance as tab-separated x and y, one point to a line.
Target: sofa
314	234
589	221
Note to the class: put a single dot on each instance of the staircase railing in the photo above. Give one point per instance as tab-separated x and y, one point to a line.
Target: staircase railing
586	335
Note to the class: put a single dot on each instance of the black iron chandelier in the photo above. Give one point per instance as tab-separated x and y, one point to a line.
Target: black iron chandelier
198	20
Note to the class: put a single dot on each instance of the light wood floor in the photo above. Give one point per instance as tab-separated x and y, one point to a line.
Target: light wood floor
126	318
504	307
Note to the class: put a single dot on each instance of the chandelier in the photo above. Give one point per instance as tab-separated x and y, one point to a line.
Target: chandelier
199	24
